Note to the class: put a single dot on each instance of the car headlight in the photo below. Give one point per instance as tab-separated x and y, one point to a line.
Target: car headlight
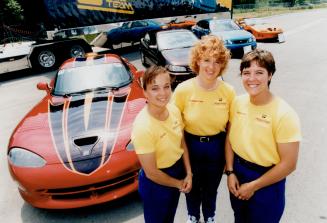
227	42
130	146
251	39
24	158
175	68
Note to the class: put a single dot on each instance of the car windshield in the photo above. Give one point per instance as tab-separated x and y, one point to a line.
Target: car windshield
88	78
174	40
221	26
252	22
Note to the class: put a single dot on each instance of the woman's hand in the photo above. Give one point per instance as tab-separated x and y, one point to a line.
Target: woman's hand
246	191
233	184
187	184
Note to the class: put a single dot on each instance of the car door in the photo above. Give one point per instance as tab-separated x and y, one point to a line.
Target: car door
125	32
148	50
137	31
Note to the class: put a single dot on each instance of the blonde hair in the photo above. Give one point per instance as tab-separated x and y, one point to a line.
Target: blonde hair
211	46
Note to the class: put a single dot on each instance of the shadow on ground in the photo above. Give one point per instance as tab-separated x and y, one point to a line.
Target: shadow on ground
120	210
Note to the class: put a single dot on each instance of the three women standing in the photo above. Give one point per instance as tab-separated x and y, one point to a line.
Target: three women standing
204	102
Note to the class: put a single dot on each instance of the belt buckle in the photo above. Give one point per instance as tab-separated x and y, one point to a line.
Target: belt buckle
204	139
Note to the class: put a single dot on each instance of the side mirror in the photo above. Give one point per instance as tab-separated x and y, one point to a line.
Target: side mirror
43	86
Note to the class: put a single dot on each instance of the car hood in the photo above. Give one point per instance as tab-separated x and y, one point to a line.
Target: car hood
80	131
267	27
177	56
233	35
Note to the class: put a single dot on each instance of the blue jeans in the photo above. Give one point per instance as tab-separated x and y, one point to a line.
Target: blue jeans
160	202
266	205
207	160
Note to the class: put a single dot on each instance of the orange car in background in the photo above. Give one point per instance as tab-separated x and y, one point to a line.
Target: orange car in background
261	29
186	24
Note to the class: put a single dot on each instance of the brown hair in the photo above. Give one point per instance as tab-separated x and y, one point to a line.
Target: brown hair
151	73
263	58
209	46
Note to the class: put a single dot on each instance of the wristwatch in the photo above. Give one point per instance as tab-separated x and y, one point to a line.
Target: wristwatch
229	172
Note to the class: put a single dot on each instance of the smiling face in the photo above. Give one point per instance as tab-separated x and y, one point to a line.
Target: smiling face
158	91
255	81
209	68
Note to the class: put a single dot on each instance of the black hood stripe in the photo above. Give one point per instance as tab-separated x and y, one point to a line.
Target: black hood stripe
79	118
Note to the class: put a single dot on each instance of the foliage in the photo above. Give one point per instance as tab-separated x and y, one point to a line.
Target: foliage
11	12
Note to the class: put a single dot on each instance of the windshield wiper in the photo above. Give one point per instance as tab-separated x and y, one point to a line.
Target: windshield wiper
90	90
106	88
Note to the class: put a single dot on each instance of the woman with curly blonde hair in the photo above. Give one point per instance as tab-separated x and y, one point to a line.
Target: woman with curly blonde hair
204	102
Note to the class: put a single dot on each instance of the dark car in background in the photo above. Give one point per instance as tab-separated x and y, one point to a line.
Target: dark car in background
236	39
130	32
169	48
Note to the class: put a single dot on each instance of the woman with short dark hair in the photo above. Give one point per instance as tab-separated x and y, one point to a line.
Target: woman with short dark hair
262	144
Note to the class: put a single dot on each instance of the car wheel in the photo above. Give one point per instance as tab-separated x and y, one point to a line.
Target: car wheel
143	59
76	51
44	60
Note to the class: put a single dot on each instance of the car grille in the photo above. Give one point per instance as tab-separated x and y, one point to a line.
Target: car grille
241	41
88	191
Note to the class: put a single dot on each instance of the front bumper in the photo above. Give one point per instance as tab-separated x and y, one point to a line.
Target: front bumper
55	187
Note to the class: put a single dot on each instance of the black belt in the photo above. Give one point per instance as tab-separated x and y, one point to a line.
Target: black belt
250	165
205	138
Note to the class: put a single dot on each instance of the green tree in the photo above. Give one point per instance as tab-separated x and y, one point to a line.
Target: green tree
11	12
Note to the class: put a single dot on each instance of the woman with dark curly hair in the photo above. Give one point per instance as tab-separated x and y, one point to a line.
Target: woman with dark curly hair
204	102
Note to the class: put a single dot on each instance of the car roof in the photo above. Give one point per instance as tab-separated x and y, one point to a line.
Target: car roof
153	32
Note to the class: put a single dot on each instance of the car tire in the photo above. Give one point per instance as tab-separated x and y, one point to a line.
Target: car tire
76	51
143	59
44	60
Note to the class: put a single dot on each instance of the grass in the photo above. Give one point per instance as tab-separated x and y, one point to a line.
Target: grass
266	11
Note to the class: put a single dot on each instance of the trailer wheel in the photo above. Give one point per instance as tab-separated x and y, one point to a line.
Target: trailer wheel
77	51
44	60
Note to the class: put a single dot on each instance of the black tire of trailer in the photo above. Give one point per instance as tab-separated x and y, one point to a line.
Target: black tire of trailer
77	51
44	59
76	48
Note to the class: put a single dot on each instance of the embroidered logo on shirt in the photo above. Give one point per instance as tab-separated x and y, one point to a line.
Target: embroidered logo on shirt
240	113
196	100
263	118
163	135
176	125
220	102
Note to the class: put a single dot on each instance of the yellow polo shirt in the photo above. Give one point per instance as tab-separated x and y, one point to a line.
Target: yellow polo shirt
256	130
163	138
204	112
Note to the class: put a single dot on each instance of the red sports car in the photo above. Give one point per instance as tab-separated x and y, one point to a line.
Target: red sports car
73	148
